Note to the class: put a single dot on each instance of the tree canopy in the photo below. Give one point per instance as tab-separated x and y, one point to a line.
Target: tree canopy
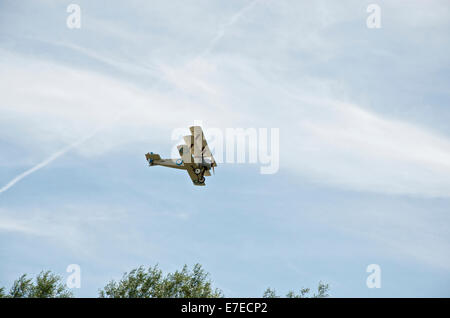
151	283
45	285
322	292
142	282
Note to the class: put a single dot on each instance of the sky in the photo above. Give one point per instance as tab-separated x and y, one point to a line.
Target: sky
364	142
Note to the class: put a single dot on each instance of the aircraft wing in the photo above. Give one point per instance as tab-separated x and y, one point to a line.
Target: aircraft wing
189	163
198	146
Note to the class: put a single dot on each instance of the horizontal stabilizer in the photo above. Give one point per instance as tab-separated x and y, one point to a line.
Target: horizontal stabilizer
151	157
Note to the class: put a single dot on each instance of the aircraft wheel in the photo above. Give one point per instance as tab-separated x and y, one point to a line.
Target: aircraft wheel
197	171
201	179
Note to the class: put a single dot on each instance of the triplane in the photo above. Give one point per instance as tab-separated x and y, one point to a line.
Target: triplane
196	157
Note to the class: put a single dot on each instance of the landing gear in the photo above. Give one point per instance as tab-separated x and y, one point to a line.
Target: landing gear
199	172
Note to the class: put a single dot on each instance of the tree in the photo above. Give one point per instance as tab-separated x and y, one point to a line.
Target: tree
151	283
322	292
46	285
142	283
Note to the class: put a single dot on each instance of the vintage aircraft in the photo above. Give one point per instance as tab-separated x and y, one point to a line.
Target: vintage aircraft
196	157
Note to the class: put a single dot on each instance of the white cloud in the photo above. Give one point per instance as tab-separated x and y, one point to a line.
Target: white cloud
327	141
64	104
346	146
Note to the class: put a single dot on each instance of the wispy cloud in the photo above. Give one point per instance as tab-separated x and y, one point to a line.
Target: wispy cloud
129	68
337	143
223	27
47	161
344	145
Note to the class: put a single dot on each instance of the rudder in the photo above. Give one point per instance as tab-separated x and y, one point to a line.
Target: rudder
151	157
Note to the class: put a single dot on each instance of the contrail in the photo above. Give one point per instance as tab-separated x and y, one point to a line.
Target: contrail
47	161
221	32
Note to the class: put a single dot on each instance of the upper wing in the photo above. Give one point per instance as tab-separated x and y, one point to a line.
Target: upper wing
194	154
198	146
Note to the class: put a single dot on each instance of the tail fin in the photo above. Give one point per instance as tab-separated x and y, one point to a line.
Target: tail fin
151	157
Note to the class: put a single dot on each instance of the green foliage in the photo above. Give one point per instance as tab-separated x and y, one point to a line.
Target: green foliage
322	292
270	293
142	283
21	288
46	285
151	283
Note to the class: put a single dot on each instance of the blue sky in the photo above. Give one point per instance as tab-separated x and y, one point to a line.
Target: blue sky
363	115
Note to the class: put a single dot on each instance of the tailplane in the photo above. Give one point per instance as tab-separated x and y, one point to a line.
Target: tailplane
151	157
